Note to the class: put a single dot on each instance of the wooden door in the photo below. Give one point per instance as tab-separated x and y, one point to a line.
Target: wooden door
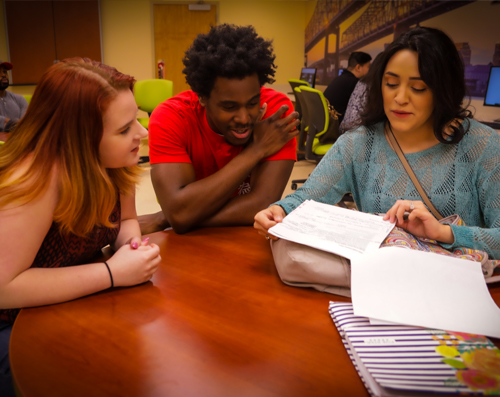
76	29
31	39
41	32
175	28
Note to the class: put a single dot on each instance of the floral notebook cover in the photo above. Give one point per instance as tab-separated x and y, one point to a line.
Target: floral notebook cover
399	360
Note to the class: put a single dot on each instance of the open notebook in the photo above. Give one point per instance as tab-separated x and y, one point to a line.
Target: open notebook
398	360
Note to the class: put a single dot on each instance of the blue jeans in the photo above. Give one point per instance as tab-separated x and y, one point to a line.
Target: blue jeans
6	386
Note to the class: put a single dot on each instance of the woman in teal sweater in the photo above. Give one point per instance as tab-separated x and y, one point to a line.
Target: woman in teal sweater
417	92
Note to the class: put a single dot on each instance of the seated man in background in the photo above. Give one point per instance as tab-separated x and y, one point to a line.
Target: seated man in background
357	101
12	106
224	150
340	89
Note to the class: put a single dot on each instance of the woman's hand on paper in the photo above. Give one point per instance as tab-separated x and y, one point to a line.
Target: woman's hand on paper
267	218
130	266
415	218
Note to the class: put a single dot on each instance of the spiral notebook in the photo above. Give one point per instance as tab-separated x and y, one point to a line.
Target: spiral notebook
399	360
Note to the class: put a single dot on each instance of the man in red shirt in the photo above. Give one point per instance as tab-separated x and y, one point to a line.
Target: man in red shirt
225	150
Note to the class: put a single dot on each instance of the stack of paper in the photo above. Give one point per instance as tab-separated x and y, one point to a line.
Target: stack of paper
333	229
397	360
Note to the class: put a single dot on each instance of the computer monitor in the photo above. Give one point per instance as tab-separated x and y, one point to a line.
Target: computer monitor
309	75
492	97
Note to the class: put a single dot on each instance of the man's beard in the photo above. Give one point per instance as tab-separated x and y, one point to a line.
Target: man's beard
4	85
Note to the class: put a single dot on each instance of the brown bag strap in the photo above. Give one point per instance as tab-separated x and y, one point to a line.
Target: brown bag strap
395	145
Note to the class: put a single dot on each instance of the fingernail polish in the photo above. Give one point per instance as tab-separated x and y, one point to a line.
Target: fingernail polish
145	240
134	245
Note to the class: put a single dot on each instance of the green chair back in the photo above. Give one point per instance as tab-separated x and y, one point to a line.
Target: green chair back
294	83
317	109
318	120
297	83
150	93
28	98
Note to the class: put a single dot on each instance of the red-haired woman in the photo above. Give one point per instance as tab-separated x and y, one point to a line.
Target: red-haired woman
67	182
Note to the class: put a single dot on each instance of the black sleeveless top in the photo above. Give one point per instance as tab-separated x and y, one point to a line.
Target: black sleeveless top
58	250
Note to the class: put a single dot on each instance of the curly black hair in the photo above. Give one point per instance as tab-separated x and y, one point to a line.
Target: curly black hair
227	51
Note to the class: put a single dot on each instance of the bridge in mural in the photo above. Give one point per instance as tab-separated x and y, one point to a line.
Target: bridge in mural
381	18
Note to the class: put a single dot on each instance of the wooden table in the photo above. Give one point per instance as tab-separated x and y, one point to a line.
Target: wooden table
215	321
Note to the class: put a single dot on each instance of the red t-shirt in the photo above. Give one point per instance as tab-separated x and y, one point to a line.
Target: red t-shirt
179	133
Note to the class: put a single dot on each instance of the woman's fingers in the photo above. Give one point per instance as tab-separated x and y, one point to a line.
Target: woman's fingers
135	242
267	218
401	209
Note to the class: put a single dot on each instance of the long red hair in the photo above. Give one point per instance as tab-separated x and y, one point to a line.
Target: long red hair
63	126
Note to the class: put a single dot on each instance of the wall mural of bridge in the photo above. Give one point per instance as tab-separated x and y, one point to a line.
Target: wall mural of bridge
368	22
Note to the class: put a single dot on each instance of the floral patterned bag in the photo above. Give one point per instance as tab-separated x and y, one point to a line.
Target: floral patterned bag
401	238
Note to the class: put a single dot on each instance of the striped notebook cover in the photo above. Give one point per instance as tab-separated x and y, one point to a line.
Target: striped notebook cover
398	360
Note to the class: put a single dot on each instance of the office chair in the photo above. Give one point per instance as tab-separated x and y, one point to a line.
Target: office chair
148	95
298	83
320	127
321	133
314	124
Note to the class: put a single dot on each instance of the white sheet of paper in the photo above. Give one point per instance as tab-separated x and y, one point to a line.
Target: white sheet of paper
423	289
376	321
333	229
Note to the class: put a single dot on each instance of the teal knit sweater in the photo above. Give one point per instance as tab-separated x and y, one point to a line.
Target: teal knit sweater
461	178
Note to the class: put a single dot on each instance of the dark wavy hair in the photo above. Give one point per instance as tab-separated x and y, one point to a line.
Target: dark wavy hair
440	67
228	51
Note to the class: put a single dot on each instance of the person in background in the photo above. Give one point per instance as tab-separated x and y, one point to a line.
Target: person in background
224	150
12	106
355	106
357	102
67	181
340	89
417	93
